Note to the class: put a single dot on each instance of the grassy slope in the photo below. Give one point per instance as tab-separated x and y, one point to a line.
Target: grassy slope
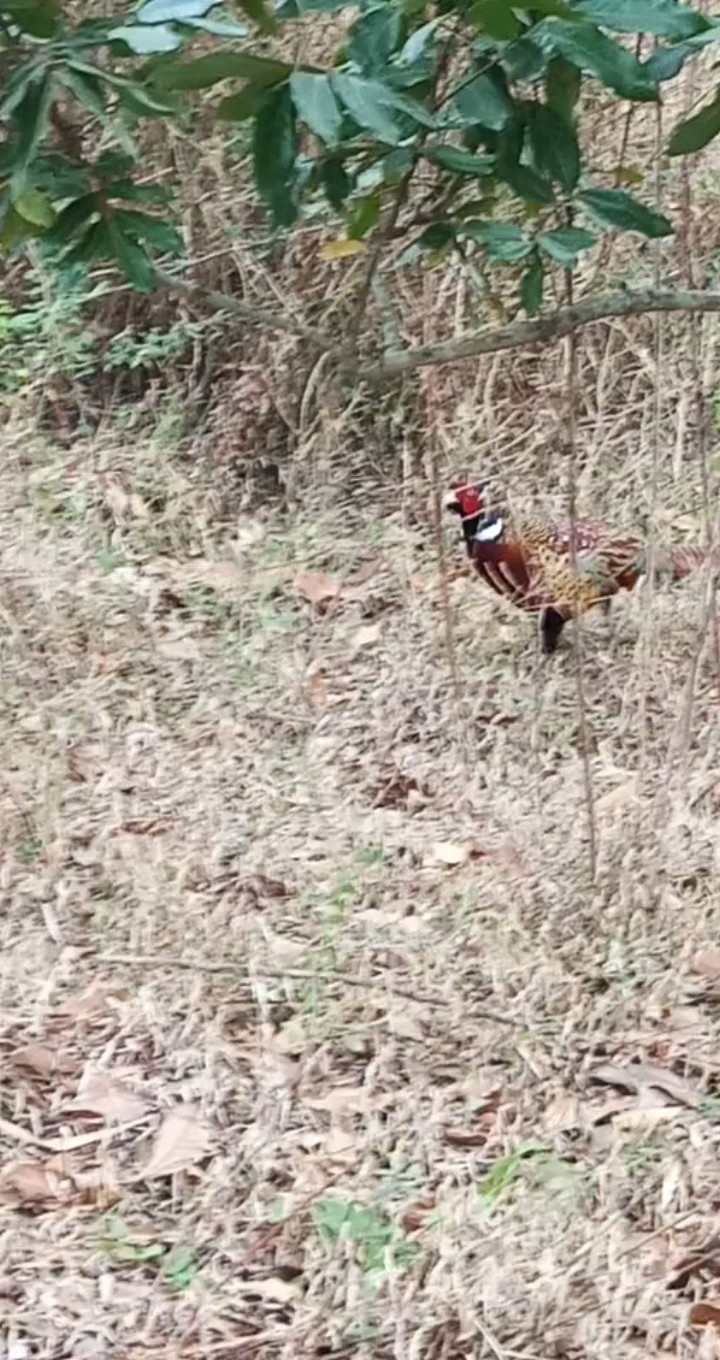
401	977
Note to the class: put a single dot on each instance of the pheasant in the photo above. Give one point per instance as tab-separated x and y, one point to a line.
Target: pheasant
536	569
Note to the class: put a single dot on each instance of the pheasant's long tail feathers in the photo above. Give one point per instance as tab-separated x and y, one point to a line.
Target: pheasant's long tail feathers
685	560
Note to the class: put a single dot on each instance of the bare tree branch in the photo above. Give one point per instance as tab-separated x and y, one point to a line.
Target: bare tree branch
561	322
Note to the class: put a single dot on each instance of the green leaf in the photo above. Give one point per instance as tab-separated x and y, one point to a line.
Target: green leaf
94	244
437	236
131	258
457	161
114	163
366	101
35	207
237	107
141	101
496	18
260	15
335	181
667	62
206	71
374	37
554	144
68	223
316	105
524	60
144	40
484	100
18	85
697	131
664	18
40	18
172	11
533	287
503	242
397	163
593	52
14	229
274	151
562	87
139	193
564	245
158	235
32	117
412	107
420	46
59	177
525	181
615	208
364	216
86	88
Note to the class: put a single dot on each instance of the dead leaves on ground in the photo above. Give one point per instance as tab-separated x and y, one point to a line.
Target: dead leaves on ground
38	1186
182	1140
318	589
642	1078
80	1112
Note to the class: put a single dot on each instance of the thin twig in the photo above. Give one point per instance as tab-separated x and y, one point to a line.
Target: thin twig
382	236
257	316
295	975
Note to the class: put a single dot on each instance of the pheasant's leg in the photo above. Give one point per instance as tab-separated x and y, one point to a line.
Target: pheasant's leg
609	631
551	626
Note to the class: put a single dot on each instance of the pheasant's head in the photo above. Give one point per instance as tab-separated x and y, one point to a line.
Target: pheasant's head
466	500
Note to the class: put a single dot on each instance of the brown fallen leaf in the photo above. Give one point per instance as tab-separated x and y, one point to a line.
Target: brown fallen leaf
179	649
274	1289
339	1145
116	499
138	506
415	1214
701	1314
707	963
562	1113
399	790
97	1000
36	1058
99	1093
183	1139
447	852
25	1185
366	636
317	588
619	797
702	1264
317	690
645	1119
259	885
636	1076
466	1138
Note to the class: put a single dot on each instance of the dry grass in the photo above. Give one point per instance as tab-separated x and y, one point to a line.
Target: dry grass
227	818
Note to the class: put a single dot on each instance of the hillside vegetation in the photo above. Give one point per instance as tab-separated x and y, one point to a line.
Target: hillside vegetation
319	1035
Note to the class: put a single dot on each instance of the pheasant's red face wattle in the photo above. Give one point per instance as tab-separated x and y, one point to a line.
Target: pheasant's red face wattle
468	500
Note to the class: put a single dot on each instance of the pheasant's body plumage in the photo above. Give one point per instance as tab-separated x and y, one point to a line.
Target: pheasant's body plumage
555	570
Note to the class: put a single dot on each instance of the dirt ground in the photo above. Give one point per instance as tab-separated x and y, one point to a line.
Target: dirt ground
318	1037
